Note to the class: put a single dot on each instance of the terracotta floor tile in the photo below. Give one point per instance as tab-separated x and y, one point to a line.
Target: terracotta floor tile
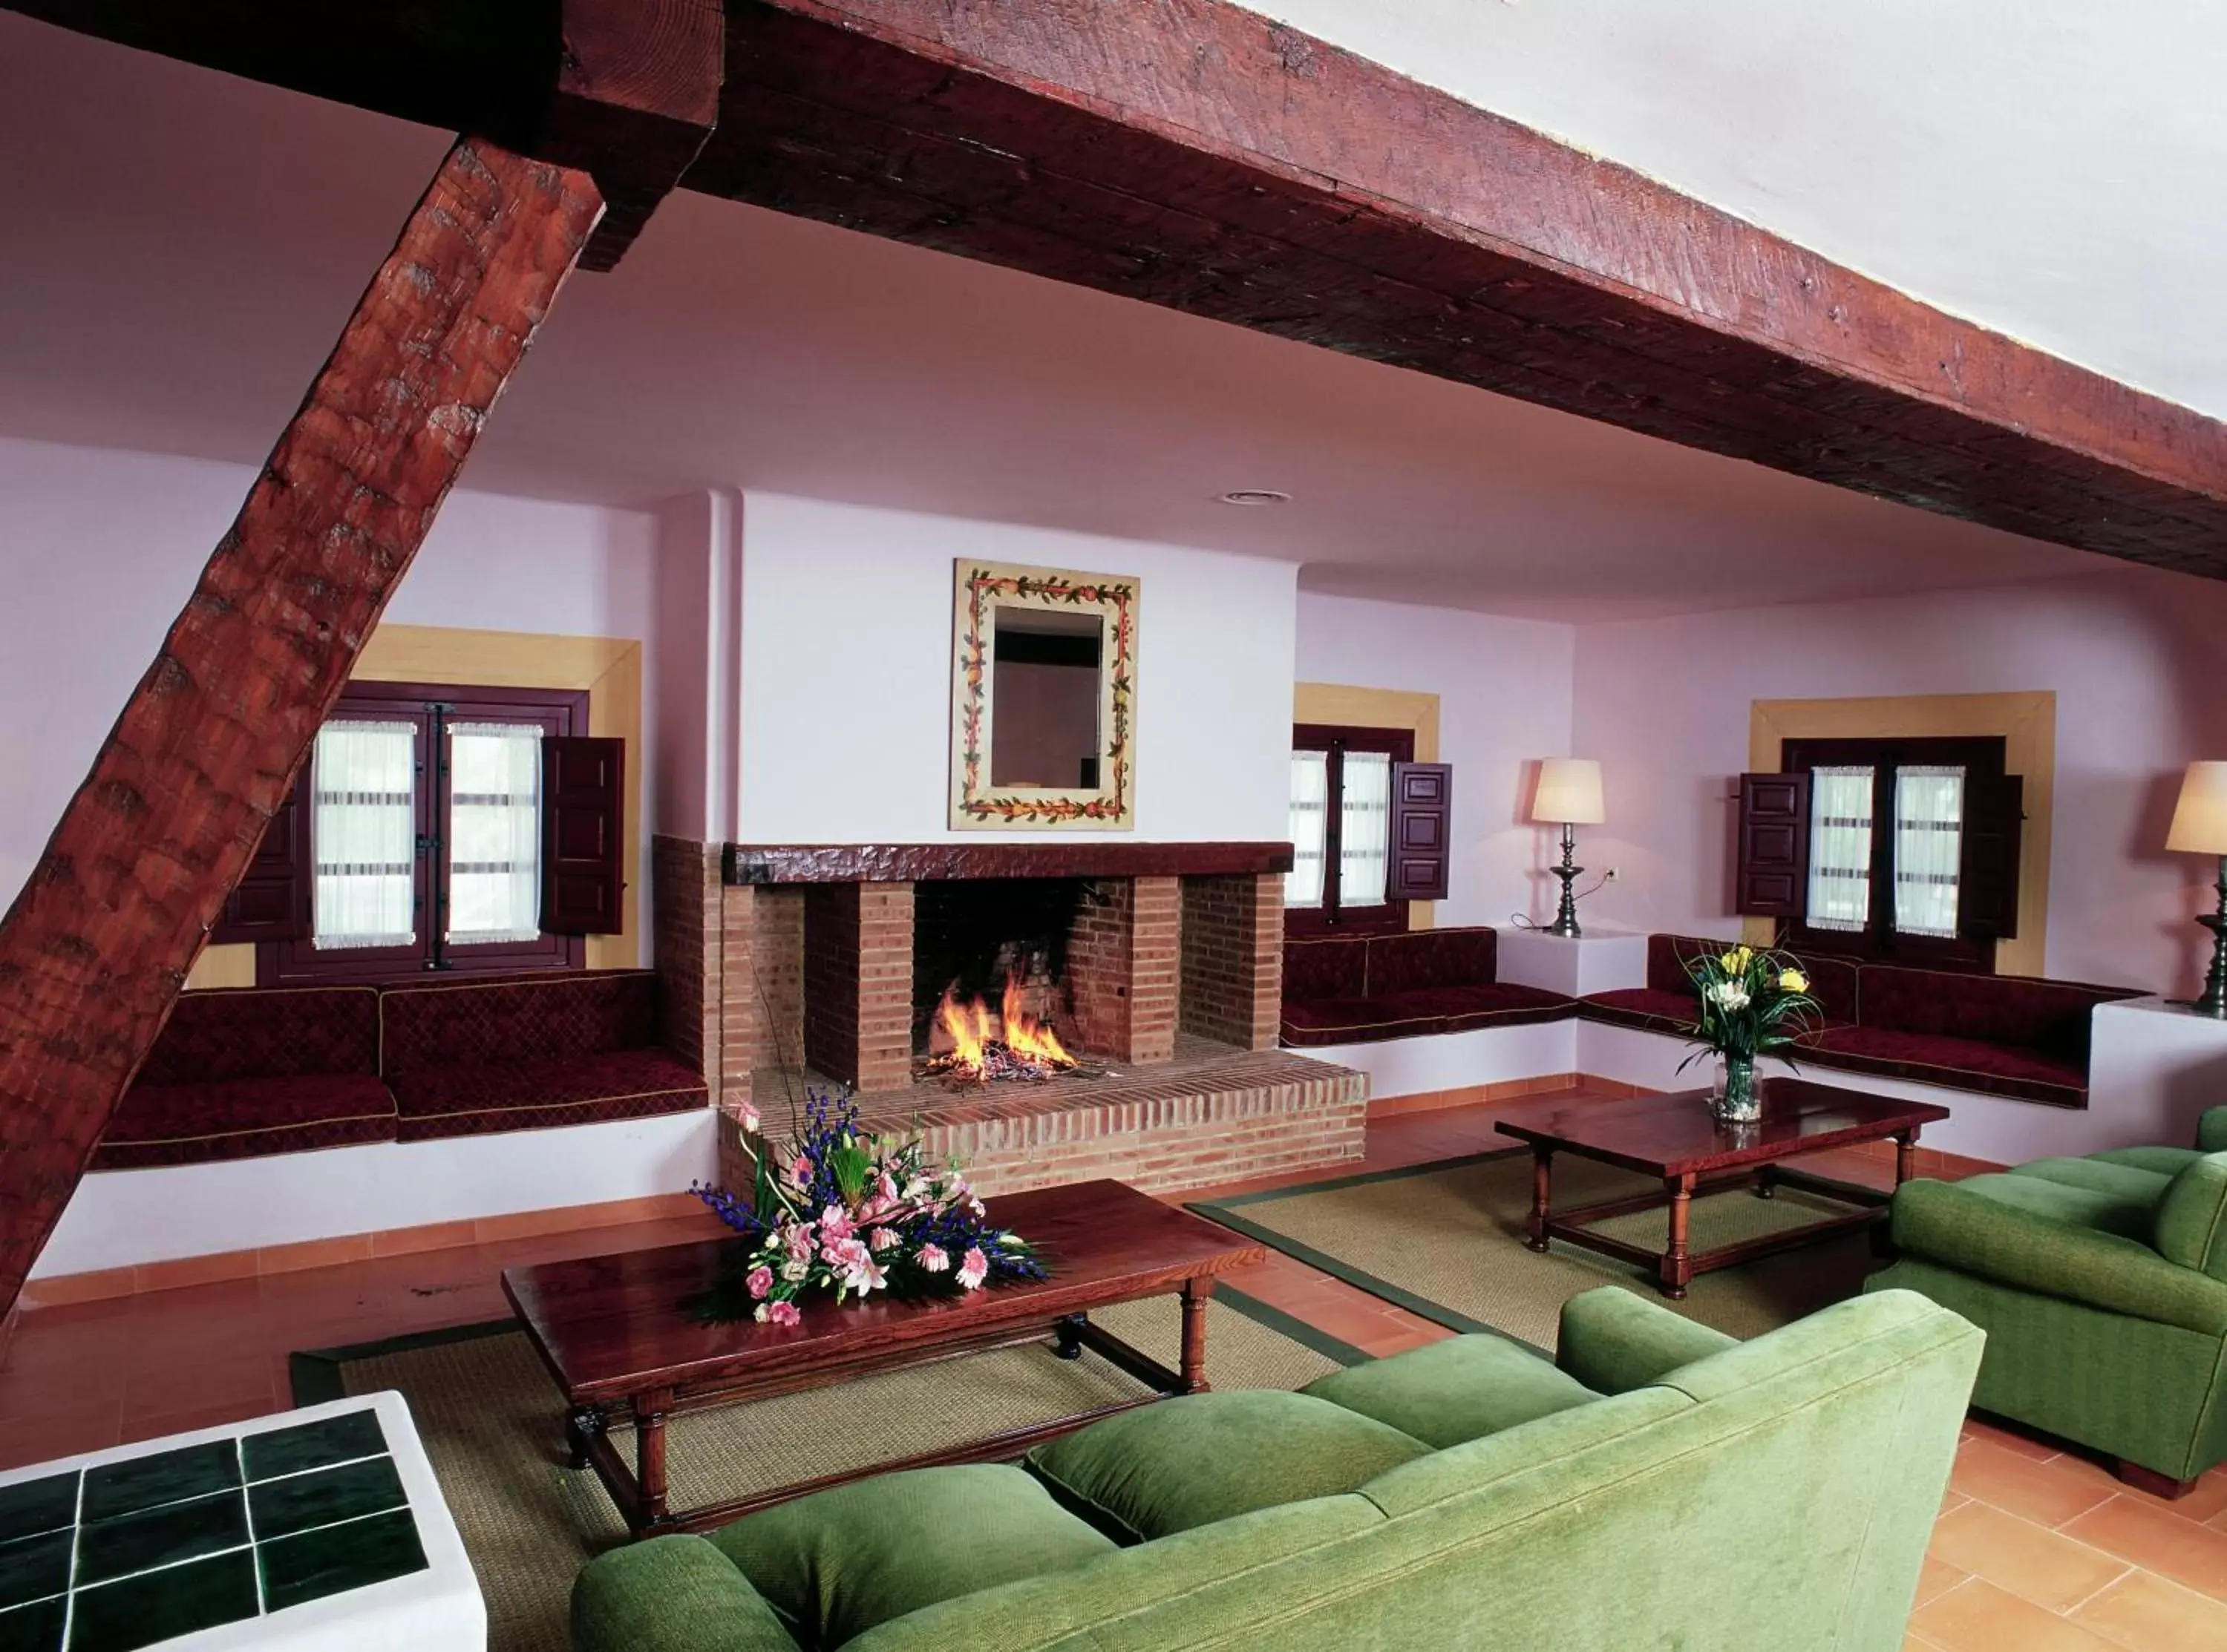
1977	1617
2030	1561
2147	1613
1937	1578
2208	1500
2023	1444
2041	1492
2148	1532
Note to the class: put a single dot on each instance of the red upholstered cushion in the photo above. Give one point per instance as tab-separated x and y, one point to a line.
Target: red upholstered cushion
1429	958
213	1037
1833	983
1333	966
1666	956
194	1124
1487	1004
1352	1021
551	1018
1643	1006
1959	1063
531	1095
2048	1017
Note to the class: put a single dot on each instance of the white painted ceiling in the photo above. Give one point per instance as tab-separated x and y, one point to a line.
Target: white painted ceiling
2055	169
182	249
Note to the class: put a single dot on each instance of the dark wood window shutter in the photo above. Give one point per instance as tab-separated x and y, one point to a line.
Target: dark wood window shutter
1773	872
583	834
272	901
1422	822
1987	880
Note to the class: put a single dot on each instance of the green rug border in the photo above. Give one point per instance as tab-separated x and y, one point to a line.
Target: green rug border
314	1373
1225	1212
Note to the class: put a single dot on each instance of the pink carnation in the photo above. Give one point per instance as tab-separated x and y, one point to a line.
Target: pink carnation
783	1313
833	1224
760	1281
974	1268
933	1259
883	1239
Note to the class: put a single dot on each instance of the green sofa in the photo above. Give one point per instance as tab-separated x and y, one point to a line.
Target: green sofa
1662	1486
2102	1284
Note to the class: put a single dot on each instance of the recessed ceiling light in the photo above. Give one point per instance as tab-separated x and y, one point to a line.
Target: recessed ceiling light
1256	496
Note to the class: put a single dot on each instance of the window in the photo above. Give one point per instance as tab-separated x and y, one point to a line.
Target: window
1341	823
417	838
1886	849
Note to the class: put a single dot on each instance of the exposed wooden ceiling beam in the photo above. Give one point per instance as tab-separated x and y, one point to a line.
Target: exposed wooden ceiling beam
97	945
1194	155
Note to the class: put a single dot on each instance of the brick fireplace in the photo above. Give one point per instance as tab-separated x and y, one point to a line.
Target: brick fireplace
1157	965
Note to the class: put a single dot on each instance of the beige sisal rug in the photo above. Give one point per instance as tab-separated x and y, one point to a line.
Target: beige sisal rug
1447	1242
492	1422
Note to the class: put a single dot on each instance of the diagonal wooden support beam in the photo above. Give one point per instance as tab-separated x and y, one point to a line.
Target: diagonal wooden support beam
95	948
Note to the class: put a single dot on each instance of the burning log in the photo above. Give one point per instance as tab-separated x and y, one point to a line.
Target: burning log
1023	1047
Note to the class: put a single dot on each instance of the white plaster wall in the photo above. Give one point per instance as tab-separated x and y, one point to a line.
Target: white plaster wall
846	676
1504	689
119	1218
694	638
99	549
2138	660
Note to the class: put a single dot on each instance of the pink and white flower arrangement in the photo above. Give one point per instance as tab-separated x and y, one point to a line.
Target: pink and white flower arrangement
839	1211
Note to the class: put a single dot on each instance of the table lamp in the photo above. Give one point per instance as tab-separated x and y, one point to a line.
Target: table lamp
1569	795
2199	827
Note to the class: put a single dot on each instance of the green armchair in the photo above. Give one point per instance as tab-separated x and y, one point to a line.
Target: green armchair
2101	1285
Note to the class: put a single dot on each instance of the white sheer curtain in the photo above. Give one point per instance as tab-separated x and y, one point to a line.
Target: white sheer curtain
494	833
1303	885
1928	844
364	825
1840	847
1364	828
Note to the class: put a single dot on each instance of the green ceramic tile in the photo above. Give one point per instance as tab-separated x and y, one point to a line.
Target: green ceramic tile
32	1566
167	1477
161	1605
35	1627
153	1537
312	1565
313	1445
30	1506
302	1501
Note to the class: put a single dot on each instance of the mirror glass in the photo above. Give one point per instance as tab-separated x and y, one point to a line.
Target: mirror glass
1045	690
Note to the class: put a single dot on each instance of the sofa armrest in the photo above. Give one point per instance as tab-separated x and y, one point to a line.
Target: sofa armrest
1613	1341
1958	1228
2211	1132
670	1594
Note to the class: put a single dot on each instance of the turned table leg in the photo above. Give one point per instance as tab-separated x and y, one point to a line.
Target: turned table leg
1677	1271
1067	1337
1542	1187
649	1456
1194	1293
1905	1153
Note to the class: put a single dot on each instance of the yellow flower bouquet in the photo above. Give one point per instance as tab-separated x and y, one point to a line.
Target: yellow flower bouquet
1752	1001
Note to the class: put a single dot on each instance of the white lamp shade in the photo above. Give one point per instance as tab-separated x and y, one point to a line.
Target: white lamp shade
1569	792
2199	820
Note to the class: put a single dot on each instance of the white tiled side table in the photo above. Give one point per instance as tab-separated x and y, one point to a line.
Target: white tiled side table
321	1527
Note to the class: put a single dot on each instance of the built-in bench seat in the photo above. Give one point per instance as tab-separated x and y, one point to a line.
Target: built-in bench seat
250	1071
1359	989
241	1073
1997	1035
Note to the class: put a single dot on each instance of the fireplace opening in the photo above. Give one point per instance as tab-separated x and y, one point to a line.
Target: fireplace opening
1000	943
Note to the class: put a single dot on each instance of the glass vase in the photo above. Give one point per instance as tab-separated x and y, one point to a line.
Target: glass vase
1735	1098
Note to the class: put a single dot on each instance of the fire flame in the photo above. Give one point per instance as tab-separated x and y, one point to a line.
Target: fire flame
1022	1046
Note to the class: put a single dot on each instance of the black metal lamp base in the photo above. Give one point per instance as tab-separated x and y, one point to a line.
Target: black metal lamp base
1565	919
2213	1000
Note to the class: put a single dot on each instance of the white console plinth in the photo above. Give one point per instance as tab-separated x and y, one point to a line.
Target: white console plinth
2152	1067
1603	960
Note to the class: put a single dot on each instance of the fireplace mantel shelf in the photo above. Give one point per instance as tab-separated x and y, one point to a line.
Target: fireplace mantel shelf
918	862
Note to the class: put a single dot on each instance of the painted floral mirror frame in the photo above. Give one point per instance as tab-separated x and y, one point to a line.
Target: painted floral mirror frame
980	589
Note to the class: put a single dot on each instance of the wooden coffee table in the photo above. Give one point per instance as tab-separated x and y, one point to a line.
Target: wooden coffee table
1675	1138
613	1332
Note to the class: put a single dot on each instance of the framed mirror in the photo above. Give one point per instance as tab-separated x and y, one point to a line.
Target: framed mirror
1042	697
